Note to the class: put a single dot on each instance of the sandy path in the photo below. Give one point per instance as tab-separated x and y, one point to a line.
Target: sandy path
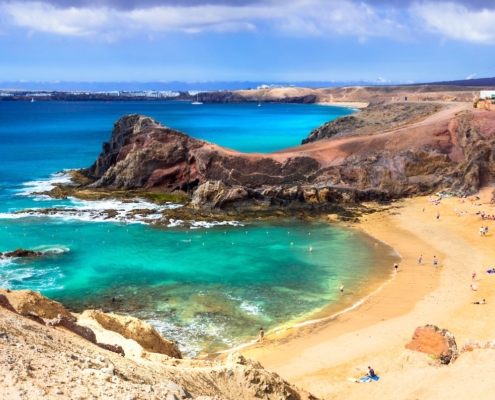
320	357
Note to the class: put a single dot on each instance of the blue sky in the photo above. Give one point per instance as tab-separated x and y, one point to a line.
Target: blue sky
376	41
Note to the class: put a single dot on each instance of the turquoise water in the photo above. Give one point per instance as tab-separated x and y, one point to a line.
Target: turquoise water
210	287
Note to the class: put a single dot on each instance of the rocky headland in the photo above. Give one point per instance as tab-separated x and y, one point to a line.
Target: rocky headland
382	153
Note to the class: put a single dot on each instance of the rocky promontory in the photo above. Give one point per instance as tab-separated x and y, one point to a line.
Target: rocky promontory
384	152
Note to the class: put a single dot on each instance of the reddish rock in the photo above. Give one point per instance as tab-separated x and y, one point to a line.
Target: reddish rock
382	153
433	341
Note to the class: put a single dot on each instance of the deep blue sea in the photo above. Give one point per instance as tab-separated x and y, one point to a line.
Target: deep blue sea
209	287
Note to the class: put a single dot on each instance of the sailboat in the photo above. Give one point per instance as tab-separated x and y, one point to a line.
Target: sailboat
259	103
197	102
32	100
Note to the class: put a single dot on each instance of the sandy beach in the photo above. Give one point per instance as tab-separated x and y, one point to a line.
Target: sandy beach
320	357
349	104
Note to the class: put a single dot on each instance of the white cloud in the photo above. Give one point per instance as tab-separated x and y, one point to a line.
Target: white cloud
299	17
471	76
457	22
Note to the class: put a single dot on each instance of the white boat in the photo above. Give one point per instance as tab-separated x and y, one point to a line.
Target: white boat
259	103
197	102
32	100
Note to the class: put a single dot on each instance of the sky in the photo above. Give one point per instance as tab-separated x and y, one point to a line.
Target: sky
373	41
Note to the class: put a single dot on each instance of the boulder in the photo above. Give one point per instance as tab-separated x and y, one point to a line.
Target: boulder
80	330
135	329
434	341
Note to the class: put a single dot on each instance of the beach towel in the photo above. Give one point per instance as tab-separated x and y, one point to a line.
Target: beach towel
365	379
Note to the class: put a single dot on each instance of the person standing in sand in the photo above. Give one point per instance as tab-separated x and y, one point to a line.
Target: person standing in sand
438	216
262	334
341	289
396	266
420	259
473	276
435	261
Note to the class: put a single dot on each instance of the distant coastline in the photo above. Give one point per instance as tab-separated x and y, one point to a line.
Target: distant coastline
346	96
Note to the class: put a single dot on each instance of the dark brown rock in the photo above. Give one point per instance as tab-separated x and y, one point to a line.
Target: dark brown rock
433	341
82	331
112	347
22	253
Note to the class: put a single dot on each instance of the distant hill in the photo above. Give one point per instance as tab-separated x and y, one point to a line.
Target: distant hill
466	82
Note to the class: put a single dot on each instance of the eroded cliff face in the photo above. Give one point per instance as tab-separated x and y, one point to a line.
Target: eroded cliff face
54	359
382	153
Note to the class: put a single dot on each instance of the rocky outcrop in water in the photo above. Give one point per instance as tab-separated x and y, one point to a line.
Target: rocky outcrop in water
383	153
21	253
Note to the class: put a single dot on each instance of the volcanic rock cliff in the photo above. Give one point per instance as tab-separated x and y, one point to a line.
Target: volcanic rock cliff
385	152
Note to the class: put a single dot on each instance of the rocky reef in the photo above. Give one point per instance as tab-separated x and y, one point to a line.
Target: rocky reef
385	152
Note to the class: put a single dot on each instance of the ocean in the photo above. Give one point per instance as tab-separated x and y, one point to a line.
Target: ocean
209	287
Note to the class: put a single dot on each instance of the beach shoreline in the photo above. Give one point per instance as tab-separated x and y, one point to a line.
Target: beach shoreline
346	104
321	356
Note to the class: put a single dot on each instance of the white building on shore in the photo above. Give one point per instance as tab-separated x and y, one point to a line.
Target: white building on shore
487	94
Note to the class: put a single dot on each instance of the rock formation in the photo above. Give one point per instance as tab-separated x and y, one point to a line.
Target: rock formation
382	153
28	302
48	362
433	341
21	253
132	328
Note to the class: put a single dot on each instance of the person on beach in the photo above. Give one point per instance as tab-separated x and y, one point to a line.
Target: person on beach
420	259
480	302
486	230
341	289
262	334
473	288
435	261
482	231
396	266
371	372
438	216
473	276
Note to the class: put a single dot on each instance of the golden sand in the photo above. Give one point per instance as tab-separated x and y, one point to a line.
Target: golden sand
321	357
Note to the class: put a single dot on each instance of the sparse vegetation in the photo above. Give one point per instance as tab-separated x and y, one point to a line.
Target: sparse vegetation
162	198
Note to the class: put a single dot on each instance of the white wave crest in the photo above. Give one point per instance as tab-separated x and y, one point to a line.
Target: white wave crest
250	308
16	277
44	185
